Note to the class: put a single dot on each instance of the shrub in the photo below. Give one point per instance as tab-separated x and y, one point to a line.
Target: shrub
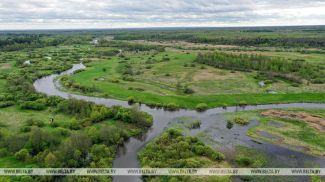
171	107
74	125
268	81
244	161
242	103
53	100
128	78
188	90
201	107
230	124
4	152
25	129
131	99
165	59
4	104
63	131
34	122
23	155
140	118
194	125
241	121
115	81
33	105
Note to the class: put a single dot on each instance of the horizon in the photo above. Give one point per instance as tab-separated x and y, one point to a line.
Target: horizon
141	28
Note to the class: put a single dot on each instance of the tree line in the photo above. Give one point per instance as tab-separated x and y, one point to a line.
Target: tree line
292	70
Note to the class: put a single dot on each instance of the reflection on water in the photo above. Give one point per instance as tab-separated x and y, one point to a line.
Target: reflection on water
213	126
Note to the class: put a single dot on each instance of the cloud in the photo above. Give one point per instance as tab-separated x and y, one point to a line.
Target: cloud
28	14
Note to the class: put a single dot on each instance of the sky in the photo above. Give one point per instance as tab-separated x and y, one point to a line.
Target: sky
75	14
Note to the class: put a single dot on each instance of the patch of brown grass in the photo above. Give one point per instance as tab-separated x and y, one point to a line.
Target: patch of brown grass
314	121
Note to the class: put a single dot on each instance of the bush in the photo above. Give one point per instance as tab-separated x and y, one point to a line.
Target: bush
241	121
128	78
33	105
25	129
4	152
63	131
171	107
23	155
140	118
242	103
230	124
74	125
188	90
194	125
244	161
34	122
201	107
4	104
53	101
131	99
148	67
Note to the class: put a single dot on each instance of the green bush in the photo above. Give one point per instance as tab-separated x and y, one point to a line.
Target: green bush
201	107
142	119
230	124
25	129
4	152
171	107
244	161
63	131
23	155
33	105
194	124
188	90
131	99
34	122
240	121
4	104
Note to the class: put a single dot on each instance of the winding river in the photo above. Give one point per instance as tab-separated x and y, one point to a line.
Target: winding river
213	126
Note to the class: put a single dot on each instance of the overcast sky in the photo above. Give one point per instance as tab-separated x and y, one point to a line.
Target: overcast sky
58	14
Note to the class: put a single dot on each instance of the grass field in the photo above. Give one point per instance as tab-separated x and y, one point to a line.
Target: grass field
158	82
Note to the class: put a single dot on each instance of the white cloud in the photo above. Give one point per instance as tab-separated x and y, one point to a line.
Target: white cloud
31	14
